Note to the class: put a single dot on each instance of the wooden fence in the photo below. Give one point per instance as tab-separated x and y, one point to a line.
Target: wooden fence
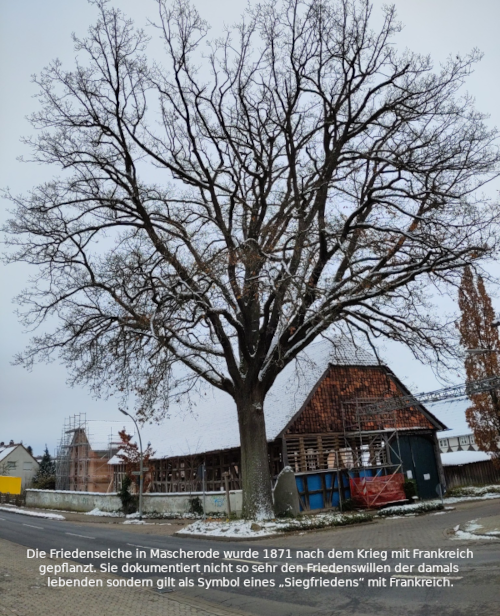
476	473
13	499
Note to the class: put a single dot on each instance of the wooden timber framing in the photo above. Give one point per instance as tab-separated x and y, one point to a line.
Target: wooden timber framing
325	436
183	473
322	452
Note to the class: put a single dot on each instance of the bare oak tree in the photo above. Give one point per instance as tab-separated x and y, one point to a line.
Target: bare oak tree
219	209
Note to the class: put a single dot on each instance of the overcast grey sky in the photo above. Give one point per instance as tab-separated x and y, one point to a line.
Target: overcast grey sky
32	33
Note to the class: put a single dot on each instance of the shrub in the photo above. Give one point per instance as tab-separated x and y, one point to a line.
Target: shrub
472	491
348	505
195	505
129	500
415	508
410	488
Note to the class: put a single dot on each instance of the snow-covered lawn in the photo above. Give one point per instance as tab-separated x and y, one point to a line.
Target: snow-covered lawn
464	499
34	514
474	491
249	528
411	509
469	494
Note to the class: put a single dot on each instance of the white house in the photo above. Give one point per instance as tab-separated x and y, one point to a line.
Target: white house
457	445
16	461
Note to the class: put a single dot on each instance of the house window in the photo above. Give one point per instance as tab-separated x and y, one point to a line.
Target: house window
27	466
443	442
11	466
464	440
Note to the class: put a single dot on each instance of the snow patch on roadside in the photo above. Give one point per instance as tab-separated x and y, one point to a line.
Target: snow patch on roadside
237	528
432	505
33	514
470	532
251	528
412	509
475	490
463	534
472	526
104	514
464	499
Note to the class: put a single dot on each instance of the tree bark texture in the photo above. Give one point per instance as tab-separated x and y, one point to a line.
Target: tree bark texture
256	480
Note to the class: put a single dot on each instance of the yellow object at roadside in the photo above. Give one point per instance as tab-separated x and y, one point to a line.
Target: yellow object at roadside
12	485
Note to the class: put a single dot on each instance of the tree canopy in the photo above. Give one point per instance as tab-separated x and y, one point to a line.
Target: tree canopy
45	477
480	338
220	207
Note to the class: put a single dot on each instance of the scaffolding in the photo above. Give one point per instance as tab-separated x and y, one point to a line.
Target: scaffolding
371	433
372	426
72	457
83	453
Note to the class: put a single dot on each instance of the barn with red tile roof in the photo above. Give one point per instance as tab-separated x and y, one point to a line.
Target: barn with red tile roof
314	425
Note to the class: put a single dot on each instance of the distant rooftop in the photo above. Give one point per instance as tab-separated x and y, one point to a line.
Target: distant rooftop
464	457
452	414
5	451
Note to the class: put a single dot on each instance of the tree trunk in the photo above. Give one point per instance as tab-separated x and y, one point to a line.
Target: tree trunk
256	475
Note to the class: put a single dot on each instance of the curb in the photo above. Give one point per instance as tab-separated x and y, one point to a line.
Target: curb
48	516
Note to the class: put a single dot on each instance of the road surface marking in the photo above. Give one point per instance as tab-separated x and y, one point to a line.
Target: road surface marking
242	560
31	526
84	536
144	547
3	519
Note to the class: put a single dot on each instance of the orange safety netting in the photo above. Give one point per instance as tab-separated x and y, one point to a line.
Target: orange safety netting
377	491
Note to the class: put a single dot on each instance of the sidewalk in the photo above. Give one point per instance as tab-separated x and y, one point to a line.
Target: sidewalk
23	592
152	526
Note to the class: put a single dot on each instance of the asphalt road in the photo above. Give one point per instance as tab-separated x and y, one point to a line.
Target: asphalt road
474	589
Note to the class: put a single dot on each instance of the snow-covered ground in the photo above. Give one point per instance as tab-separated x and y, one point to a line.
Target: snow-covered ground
34	514
411	509
464	499
233	528
475	491
249	528
469	494
104	514
470	532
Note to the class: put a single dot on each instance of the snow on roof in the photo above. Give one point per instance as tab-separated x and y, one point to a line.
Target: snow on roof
211	424
464	457
452	414
101	434
5	451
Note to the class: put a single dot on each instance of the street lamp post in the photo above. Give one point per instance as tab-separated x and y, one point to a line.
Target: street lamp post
141	468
